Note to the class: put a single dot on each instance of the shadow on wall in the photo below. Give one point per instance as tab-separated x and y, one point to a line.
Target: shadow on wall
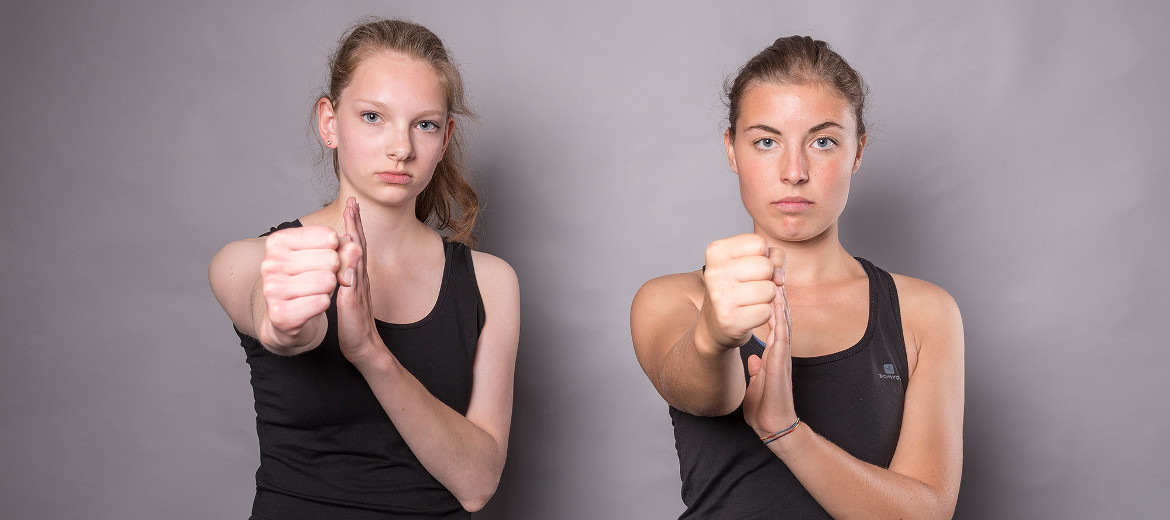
502	233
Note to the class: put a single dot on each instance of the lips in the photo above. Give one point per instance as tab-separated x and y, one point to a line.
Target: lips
793	204
393	177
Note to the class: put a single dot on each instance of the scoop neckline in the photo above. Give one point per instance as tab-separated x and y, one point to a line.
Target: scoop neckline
861	343
447	254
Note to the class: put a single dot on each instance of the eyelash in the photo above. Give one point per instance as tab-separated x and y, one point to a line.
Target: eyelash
377	119
831	141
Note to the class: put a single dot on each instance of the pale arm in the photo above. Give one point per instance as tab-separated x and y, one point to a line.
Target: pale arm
464	453
923	478
277	293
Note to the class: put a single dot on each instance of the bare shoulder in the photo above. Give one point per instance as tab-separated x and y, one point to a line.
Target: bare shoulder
920	299
929	313
494	276
677	288
234	274
235	264
500	291
663	309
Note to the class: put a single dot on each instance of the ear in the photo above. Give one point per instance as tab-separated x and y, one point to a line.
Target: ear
860	150
729	143
327	122
450	131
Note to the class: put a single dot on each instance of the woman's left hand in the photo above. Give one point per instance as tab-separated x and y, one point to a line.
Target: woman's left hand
356	333
767	403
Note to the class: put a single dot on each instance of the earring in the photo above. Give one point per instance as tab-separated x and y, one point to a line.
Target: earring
328	143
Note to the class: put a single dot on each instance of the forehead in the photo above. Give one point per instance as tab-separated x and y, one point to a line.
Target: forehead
794	105
386	76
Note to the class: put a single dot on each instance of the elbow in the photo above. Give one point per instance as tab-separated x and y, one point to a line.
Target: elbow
476	496
703	406
284	351
715	409
474	505
476	499
938	503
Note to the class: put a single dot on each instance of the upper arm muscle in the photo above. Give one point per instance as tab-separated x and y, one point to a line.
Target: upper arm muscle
495	360
234	274
930	446
661	313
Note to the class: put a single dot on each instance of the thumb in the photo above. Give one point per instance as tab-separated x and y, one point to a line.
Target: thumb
782	326
754	364
350	254
779	262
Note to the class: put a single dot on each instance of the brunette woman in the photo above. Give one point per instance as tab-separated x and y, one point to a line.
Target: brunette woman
382	352
803	382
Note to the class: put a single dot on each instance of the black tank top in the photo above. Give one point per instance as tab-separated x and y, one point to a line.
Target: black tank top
853	398
327	448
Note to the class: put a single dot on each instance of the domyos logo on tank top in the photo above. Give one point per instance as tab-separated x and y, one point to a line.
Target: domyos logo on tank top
890	372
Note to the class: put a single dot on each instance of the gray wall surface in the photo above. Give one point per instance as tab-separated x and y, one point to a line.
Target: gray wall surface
1014	159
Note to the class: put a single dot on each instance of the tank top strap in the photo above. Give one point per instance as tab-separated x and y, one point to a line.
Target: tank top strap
463	281
283	225
886	315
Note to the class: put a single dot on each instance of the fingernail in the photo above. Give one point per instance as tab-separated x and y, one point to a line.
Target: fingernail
349	276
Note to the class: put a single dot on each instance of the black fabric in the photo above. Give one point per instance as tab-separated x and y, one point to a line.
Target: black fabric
327	448
853	398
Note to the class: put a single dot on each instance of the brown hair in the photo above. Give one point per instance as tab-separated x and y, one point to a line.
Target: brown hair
798	60
434	204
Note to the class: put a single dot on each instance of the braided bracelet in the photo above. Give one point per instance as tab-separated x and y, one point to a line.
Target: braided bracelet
780	433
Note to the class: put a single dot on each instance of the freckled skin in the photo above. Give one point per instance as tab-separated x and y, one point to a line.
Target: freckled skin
794	162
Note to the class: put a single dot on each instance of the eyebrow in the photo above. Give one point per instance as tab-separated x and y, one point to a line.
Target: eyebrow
385	108
813	130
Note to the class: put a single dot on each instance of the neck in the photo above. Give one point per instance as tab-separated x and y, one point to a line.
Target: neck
391	231
813	261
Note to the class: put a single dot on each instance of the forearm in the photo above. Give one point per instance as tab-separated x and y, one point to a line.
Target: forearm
850	488
464	457
701	377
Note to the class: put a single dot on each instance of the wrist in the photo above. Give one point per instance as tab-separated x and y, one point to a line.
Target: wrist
291	341
784	444
374	359
706	344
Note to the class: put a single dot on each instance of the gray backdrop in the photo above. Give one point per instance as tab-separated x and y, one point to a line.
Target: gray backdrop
1016	159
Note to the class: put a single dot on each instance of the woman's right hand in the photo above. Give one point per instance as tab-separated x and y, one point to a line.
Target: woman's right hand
298	276
741	283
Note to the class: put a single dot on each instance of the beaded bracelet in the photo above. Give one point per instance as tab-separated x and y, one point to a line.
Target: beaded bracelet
780	433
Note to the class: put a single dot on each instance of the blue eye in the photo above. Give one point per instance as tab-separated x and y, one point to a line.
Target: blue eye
824	143
371	117
766	143
428	126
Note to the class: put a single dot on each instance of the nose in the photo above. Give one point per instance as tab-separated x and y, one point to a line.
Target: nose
398	145
794	169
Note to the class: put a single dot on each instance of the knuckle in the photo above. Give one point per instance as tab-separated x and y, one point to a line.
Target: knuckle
269	266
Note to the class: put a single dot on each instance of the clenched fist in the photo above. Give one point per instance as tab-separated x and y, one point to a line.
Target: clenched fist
298	275
742	278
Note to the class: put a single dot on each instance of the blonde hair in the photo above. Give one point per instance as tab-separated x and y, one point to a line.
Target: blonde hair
448	187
